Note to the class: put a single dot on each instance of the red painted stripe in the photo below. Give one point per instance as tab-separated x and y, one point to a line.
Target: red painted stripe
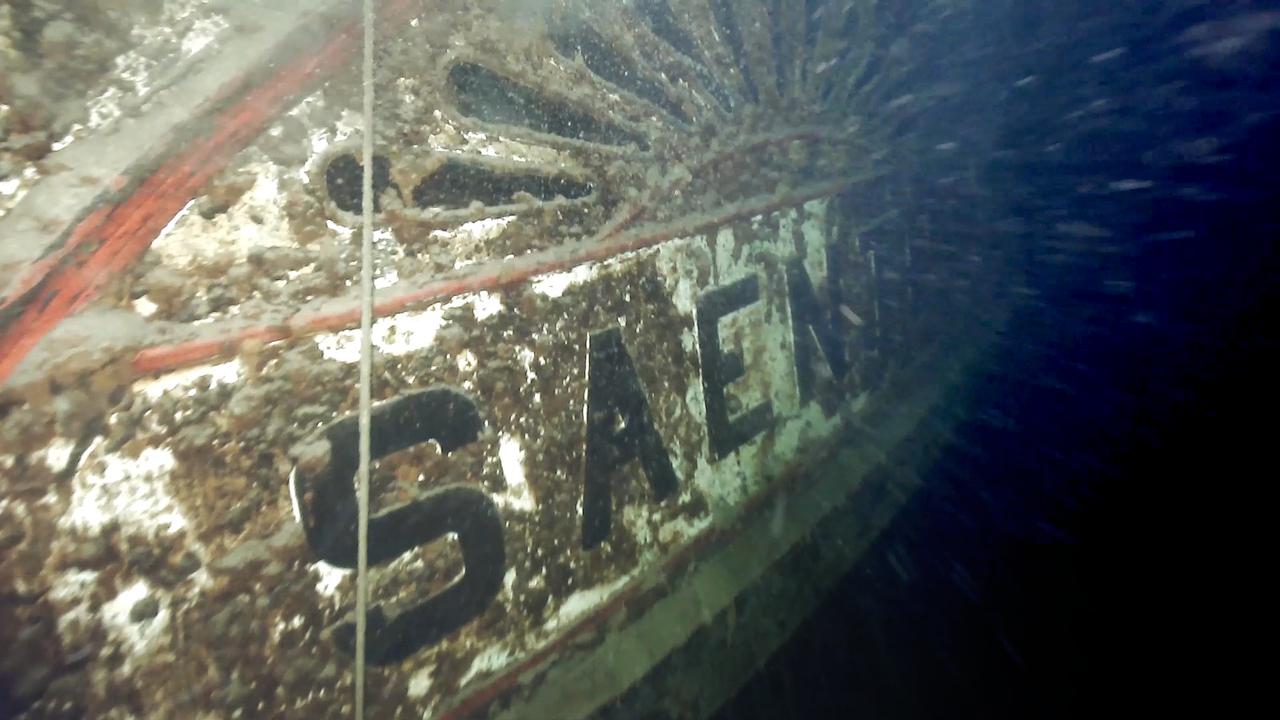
486	276
112	238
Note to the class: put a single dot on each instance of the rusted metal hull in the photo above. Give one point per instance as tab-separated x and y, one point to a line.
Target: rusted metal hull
625	329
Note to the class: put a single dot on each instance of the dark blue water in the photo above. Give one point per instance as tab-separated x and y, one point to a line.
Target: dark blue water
1078	548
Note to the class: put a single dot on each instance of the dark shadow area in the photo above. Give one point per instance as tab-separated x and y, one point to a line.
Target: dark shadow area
342	178
458	184
607	63
1078	548
662	22
488	96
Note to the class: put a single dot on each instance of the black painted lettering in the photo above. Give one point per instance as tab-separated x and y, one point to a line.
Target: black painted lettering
720	367
327	504
619	430
812	328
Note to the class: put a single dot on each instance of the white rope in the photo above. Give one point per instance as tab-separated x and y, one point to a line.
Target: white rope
366	362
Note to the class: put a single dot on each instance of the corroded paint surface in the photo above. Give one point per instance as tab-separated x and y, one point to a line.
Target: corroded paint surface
176	546
605	195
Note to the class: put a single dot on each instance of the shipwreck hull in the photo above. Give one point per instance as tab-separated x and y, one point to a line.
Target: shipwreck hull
633	345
